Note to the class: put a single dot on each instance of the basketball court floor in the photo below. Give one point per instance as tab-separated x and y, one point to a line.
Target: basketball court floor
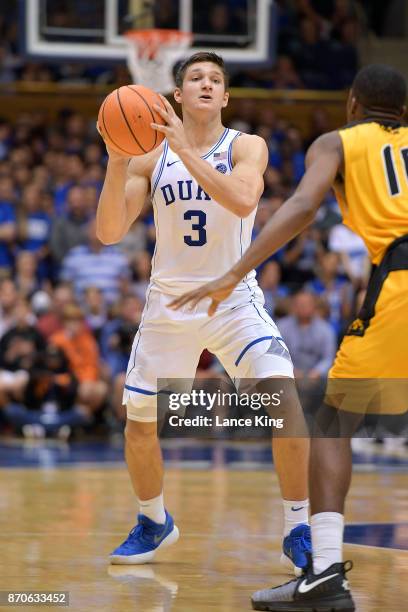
64	508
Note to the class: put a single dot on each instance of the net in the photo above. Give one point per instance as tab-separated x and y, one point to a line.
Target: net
152	55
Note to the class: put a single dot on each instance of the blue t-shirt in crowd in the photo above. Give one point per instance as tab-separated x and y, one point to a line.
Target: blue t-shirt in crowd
7	215
38	231
335	297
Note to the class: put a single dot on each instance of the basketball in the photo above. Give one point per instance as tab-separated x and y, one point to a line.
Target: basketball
124	120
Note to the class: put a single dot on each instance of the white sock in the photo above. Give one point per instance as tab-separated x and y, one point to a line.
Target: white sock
153	508
327	540
295	513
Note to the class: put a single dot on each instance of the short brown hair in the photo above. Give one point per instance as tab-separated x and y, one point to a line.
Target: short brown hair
201	56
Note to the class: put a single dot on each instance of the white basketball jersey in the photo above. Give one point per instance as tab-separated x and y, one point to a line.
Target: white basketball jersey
197	239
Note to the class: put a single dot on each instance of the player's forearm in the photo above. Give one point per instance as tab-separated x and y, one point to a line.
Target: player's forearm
286	223
111	214
111	211
227	191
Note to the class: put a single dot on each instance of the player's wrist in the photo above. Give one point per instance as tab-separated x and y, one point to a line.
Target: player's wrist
235	275
185	151
118	161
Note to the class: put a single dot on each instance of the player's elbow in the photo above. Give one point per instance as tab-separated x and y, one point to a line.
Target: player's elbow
245	212
107	238
245	206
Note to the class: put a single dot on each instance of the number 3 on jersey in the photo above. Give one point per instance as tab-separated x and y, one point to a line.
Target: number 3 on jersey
201	237
391	173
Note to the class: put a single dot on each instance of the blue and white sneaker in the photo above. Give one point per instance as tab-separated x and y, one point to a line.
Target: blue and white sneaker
296	546
145	539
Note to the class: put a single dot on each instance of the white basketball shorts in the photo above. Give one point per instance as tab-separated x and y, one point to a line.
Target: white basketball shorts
169	343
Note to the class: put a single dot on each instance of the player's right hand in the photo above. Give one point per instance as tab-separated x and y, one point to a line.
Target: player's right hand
218	290
113	155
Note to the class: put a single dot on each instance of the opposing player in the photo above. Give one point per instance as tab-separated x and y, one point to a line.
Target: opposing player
367	163
205	182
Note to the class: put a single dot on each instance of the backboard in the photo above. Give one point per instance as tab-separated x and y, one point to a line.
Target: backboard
242	31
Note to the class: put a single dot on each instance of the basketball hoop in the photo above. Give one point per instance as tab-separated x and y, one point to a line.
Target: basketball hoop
152	55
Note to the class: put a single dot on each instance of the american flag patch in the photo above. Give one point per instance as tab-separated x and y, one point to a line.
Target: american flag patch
221	155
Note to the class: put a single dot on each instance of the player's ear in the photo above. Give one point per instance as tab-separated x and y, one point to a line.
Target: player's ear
177	95
403	111
226	99
352	106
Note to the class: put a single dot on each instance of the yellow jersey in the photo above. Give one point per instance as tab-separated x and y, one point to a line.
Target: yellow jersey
374	196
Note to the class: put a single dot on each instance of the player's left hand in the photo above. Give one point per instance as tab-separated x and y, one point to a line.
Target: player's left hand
218	290
174	130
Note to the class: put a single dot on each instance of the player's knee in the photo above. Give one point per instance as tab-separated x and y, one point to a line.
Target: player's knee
138	433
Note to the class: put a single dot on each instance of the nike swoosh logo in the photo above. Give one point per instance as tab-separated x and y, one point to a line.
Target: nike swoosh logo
304	587
158	538
171	163
296	509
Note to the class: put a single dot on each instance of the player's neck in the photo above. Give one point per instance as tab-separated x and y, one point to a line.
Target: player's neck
378	114
202	134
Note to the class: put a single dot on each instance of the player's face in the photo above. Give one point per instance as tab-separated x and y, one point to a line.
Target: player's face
203	88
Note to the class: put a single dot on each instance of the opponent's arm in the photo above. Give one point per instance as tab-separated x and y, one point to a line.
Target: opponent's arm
238	192
323	161
124	192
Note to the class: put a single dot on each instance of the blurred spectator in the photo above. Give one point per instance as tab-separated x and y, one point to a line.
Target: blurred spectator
22	340
353	254
336	290
5	138
310	54
8	302
343	55
70	230
300	255
82	352
97	265
117	336
293	151
34	227
12	388
284	75
134	241
166	14
25	275
95	310
310	339
319	124
219	18
50	312
7	225
269	281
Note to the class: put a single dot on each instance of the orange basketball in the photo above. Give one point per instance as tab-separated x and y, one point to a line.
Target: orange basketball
124	120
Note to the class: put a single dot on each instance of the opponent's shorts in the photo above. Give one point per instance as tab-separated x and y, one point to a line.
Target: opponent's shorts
169	343
370	372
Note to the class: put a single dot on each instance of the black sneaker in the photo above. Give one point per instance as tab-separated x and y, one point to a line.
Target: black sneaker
325	592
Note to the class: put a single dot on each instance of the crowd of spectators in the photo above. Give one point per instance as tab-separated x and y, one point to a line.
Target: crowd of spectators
316	45
70	306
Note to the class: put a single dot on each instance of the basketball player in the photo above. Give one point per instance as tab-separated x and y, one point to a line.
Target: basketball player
205	182
367	163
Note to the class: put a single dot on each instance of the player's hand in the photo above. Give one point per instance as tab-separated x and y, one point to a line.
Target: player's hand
113	155
174	130
217	290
